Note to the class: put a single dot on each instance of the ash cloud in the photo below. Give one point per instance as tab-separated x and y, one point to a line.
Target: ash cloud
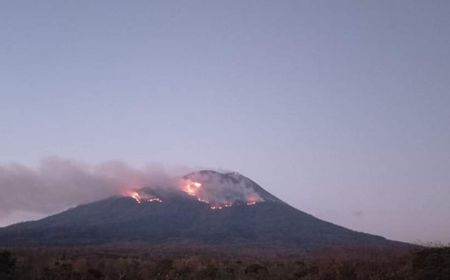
57	184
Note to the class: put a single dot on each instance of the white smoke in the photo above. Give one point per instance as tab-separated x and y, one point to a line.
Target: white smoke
224	189
57	184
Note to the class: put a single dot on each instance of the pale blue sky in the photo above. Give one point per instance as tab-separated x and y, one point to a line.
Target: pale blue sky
341	108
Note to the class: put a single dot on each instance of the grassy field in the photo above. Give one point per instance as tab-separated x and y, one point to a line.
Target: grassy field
160	263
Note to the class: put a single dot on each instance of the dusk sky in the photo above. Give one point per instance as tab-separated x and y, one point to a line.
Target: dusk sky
340	108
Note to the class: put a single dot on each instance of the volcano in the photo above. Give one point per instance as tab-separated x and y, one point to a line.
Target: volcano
209	208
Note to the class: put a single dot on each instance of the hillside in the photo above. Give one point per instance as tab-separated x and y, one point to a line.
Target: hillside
211	208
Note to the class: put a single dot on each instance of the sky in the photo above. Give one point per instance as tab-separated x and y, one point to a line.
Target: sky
340	108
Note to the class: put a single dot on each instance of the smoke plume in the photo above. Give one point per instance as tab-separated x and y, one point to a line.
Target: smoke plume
57	184
223	189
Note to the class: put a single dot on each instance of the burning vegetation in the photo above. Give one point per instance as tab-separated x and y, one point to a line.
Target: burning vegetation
211	189
190	187
140	197
219	194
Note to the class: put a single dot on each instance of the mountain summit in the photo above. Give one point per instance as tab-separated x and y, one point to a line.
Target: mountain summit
206	207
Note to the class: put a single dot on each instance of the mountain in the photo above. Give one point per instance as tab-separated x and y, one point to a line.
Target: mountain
207	207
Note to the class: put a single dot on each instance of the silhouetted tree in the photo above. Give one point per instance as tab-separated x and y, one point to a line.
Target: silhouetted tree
7	265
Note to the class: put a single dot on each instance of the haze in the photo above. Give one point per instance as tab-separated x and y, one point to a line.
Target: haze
340	108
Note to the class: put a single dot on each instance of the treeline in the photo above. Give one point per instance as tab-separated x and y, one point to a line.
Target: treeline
92	264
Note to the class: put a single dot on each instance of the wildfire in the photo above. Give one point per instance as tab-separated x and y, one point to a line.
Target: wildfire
221	206
136	196
191	187
203	200
216	195
252	200
194	189
143	197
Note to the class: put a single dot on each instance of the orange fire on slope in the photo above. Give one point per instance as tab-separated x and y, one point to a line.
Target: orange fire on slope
193	188
142	197
220	206
136	196
253	200
190	187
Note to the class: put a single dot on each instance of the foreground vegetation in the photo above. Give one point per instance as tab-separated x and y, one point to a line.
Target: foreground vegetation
115	264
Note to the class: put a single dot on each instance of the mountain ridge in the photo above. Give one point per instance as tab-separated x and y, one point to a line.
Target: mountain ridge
212	208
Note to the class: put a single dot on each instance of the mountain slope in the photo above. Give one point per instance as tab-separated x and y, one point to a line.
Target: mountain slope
216	208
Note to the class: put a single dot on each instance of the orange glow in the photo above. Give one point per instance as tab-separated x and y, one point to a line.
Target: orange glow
190	187
202	200
193	188
154	199
136	196
139	198
252	200
221	206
